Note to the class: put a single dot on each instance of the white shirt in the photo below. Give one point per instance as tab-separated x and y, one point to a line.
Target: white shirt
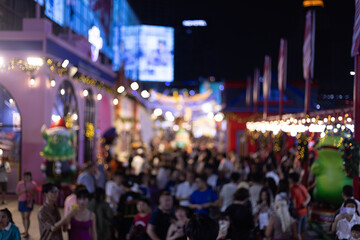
7	228
254	192
4	169
343	227
113	190
162	177
183	190
227	192
282	195
226	166
212	180
88	180
137	164
274	176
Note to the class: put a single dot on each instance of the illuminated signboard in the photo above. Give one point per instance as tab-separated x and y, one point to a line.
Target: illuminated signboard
40	2
194	23
313	3
128	51
96	42
156	53
54	9
147	52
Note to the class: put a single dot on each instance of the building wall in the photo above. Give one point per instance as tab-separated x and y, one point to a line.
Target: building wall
35	105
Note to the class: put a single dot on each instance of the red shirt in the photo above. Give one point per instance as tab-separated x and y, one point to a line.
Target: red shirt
140	223
299	193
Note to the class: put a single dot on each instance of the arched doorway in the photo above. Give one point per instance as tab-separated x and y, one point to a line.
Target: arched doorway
89	121
66	107
10	136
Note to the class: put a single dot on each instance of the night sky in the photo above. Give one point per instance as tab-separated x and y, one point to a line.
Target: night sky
240	33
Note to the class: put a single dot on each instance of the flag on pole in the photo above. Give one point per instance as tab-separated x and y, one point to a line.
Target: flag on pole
309	46
248	91
267	78
282	65
356	31
256	85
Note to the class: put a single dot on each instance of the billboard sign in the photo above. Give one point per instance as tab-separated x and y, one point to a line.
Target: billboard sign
156	53
54	9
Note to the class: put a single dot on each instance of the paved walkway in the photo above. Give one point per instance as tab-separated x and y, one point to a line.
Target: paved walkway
12	205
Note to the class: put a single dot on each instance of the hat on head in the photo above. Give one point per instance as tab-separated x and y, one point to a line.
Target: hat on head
58	128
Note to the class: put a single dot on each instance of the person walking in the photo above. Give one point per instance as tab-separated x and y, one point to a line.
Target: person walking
345	221
4	170
103	213
204	197
300	198
87	177
81	219
141	220
49	215
281	225
176	230
240	214
26	192
8	230
228	190
185	189
161	217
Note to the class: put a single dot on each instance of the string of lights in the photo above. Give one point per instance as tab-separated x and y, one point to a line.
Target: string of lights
293	125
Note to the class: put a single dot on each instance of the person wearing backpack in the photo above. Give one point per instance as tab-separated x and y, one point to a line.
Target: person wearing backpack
300	198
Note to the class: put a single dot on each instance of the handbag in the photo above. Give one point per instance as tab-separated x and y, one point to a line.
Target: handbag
29	202
292	210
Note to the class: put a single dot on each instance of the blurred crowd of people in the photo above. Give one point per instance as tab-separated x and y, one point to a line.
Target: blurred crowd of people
154	195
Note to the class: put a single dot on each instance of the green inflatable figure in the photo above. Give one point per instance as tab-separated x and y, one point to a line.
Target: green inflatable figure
58	152
328	169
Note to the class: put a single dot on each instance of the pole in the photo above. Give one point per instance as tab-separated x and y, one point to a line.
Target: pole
356	117
256	89
266	84
310	74
281	105
307	95
265	108
282	74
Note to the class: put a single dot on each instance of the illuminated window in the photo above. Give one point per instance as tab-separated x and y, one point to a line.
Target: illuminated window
89	127
10	135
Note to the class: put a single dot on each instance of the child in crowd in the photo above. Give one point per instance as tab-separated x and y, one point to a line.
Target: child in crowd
176	230
355	232
141	219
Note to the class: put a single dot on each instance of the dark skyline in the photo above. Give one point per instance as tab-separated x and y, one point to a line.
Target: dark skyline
240	34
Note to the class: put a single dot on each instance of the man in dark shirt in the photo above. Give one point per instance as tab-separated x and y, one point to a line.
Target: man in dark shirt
160	219
126	210
241	215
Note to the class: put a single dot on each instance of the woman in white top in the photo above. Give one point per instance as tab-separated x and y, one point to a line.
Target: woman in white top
281	224
347	218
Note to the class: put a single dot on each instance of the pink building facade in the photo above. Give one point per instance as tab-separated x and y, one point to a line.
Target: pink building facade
34	96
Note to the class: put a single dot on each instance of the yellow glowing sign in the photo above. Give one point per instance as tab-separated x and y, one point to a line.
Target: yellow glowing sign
313	3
